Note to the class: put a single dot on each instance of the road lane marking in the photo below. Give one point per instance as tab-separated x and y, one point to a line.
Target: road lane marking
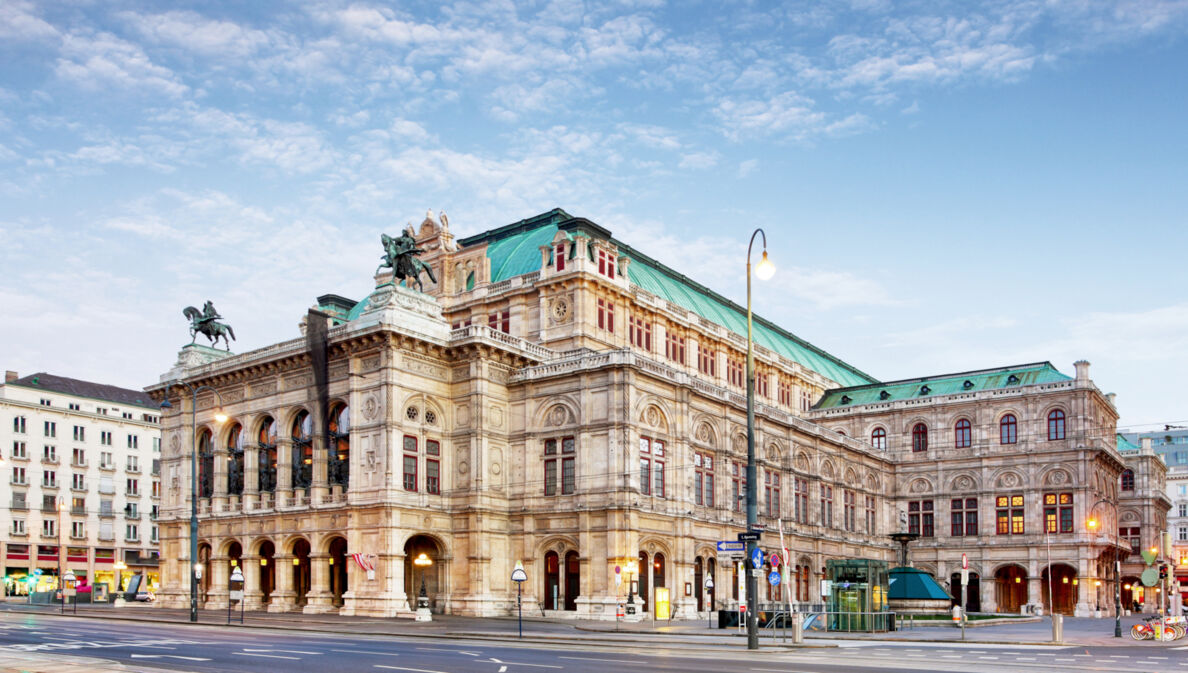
437	649
269	656
503	669
517	663
286	651
415	670
613	661
167	656
382	654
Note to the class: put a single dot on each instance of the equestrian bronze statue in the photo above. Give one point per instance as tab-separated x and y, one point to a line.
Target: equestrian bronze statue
205	321
400	256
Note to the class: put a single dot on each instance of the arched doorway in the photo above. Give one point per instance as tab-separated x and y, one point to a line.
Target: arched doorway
1010	587
1131	591
236	439
302	577
573	580
426	577
645	572
267	571
338	570
204	583
697	583
973	591
1064	586
552	580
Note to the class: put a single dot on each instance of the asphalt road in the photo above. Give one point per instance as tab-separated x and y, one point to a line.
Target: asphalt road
207	649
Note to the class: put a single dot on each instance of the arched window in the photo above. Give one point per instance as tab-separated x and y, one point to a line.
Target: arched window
878	437
266	456
962	434
339	437
1128	480
205	464
235	441
919	438
1008	430
302	458
1055	425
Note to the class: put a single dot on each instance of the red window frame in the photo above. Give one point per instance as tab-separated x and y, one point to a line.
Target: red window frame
1008	430
674	347
640	332
771	492
703	479
800	500
559	256
500	320
410	453
878	438
1056	427
735	372
919	438
1127	480
707	360
606	315
962	434
826	505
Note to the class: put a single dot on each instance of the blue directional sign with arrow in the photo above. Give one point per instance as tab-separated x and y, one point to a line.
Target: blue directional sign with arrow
757	558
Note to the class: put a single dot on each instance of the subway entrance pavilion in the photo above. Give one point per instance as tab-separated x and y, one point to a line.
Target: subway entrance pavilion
557	397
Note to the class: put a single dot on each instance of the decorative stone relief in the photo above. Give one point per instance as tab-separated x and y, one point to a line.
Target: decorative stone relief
338	371
802	463
1009	480
297	381
704	434
652	417
1056	478
460	373
462	415
558	415
921	486
264	387
371	407
559	311
175	442
499	375
963	483
370	363
429	369
496	416
233	395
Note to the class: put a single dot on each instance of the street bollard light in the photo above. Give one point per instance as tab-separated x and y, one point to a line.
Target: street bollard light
423	614
518	576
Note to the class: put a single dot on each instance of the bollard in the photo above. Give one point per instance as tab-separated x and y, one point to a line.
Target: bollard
797	628
1057	627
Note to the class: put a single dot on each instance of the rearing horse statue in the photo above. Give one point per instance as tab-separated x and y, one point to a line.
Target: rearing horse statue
400	256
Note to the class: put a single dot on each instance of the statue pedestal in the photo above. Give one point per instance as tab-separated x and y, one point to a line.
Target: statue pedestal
192	356
405	310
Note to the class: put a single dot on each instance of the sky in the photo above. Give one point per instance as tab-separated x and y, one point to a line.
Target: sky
944	186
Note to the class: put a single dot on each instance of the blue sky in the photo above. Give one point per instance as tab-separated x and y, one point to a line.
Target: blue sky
945	186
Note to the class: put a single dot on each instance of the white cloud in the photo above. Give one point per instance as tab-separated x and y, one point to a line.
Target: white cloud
786	112
101	61
18	23
747	167
224	40
699	160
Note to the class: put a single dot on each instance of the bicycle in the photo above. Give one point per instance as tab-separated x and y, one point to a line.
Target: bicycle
1173	628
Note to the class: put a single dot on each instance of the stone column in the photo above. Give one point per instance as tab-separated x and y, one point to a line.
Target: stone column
1035	592
220	573
284	474
251	479
319	598
392	568
252	596
320	487
283	596
218	503
989	591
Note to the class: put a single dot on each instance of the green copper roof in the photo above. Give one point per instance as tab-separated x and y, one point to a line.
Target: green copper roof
945	384
913	584
515	249
1126	445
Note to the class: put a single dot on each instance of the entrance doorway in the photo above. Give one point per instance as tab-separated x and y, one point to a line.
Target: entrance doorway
267	571
1010	586
1064	586
338	571
302	576
552	579
429	577
973	592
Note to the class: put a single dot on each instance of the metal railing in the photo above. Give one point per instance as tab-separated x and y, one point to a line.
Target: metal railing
836	622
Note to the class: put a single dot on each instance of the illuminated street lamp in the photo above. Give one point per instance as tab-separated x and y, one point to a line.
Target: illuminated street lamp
423	614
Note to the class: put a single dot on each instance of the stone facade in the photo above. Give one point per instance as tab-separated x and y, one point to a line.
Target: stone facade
555	398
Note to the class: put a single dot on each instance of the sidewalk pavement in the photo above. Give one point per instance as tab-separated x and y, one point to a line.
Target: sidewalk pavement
1077	631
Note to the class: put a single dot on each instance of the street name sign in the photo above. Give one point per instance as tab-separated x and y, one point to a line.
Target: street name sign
731	546
749	536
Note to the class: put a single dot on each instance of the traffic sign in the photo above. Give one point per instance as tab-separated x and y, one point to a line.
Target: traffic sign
749	536
730	546
774	578
964	562
774	560
757	558
965	577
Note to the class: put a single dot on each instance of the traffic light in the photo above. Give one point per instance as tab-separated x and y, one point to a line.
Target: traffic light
1162	571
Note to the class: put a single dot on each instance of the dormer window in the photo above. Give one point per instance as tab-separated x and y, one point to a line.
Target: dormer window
883	394
845	400
924	390
559	256
968	384
1012	380
606	263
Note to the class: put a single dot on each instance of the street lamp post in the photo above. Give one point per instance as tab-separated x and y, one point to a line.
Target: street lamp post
1117	567
764	269
220	417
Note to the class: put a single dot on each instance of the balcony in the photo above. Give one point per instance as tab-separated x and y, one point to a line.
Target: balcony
78	511
78	464
48	536
49	484
20	533
20	506
133	469
132	516
107	514
110	467
49	460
